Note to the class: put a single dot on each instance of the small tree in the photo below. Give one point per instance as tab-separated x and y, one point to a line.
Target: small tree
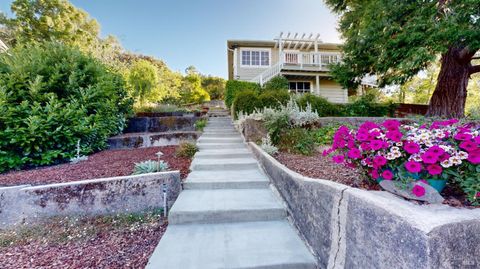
192	91
276	83
215	87
143	81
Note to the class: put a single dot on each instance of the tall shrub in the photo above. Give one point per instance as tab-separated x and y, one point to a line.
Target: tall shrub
51	96
233	87
246	102
277	83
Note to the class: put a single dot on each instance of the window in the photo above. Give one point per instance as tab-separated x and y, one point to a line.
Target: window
256	58
299	86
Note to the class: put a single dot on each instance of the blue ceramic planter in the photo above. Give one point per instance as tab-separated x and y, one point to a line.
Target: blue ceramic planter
438	184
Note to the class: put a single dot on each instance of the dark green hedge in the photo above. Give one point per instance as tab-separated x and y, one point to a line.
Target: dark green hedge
51	96
233	87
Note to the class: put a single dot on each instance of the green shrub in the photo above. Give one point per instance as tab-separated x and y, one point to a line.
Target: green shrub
246	102
150	166
324	135
297	140
200	124
273	99
320	104
186	149
233	87
51	96
367	106
277	83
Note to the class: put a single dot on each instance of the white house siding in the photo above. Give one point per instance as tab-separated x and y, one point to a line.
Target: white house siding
248	73
333	91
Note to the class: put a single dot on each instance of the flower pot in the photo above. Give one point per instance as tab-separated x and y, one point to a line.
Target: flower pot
438	184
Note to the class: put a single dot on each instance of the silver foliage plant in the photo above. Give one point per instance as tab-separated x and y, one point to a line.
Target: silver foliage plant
267	146
150	166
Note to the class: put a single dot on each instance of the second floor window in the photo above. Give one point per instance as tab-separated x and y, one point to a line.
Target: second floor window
255	58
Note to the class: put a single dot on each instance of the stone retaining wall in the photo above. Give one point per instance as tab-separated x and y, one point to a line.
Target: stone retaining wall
26	204
145	140
353	228
160	124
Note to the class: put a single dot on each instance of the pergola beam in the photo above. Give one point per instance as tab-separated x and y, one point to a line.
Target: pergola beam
297	41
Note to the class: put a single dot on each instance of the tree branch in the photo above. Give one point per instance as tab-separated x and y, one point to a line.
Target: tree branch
474	69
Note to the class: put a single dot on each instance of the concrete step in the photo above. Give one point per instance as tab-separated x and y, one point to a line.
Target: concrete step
216	128
220	139
203	146
223	164
250	245
231	179
223	153
224	134
226	205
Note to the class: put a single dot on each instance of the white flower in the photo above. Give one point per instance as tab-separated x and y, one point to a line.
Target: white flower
397	154
428	143
416	157
446	148
399	144
455	160
462	155
440	135
446	163
393	149
390	156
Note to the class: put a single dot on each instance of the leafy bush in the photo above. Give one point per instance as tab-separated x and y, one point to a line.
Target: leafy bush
245	101
215	87
273	99
297	140
192	91
267	146
324	135
143	82
367	106
321	105
158	108
186	149
150	166
233	87
51	96
277	83
200	124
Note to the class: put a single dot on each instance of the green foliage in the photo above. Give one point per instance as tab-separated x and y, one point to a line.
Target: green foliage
277	83
233	87
200	124
149	166
143	81
274	99
367	106
275	124
396	39
186	149
324	135
321	105
215	87
246	102
297	140
192	91
51	96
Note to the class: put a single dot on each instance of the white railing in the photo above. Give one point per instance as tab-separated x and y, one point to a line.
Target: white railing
268	74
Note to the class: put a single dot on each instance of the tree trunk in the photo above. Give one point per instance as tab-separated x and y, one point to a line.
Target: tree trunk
448	99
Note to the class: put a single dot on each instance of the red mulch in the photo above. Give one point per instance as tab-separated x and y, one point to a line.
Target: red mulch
318	166
127	245
108	163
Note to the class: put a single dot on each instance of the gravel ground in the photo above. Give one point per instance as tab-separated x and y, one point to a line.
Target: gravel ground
318	166
108	163
123	241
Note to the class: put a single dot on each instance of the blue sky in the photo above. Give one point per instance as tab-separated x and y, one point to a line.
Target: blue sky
194	32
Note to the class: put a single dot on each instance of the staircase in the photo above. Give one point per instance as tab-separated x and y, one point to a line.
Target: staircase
227	216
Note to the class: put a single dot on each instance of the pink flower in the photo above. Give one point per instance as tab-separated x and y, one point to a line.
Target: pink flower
368	125
463	136
444	156
394	135
379	161
477	140
474	157
411	147
436	150
391	125
413	167
374	174
418	190
362	136
468	145
338	158
354	153
429	157
387	175
434	169
376	144
365	146
477	195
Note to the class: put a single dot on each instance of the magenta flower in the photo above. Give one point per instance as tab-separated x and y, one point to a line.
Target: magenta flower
434	169
365	146
374	174
463	136
429	157
394	135
477	140
468	145
387	175
391	125
368	125
436	150
379	161
362	136
413	167
418	190
376	144
474	157
354	153
411	147
477	195
338	158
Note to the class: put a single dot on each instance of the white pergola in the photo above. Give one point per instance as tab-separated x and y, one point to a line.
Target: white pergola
297	41
3	47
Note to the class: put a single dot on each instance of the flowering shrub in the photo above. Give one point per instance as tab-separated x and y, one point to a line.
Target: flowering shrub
435	153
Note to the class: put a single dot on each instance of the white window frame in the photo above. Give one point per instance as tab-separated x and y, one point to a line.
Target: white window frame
260	60
296	86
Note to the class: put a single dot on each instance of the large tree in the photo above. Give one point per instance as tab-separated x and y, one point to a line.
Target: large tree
394	40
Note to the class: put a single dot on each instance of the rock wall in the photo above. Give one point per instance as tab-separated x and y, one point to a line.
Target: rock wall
160	124
27	204
145	140
353	228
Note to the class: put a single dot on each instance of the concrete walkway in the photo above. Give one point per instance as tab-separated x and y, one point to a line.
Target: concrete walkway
227	216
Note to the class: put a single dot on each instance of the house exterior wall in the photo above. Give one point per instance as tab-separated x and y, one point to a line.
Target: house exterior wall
333	91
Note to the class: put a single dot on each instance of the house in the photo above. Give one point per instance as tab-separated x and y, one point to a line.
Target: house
303	60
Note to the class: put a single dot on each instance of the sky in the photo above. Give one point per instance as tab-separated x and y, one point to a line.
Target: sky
195	32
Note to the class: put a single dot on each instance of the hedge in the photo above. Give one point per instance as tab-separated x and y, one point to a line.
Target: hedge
233	87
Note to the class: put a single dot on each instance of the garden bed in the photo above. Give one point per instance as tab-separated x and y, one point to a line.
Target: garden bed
121	241
322	167
108	163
